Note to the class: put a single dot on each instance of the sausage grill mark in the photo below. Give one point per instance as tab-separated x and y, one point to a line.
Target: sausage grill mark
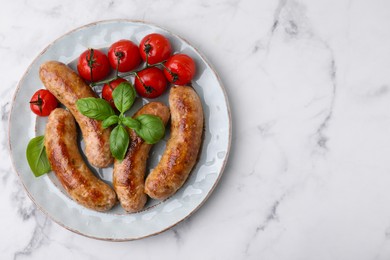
129	174
67	163
67	86
183	145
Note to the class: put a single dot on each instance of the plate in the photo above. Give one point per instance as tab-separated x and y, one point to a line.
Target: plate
158	216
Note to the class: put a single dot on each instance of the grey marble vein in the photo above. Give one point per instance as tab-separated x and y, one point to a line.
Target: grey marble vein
271	216
28	212
278	11
4	110
322	139
177	235
38	238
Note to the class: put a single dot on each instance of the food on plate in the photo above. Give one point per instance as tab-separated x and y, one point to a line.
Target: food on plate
155	48
43	102
179	69
36	156
93	65
150	82
129	173
68	87
108	88
68	165
149	127
108	133
124	55
183	146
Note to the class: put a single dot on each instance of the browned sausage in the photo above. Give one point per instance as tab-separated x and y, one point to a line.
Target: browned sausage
129	174
67	86
68	165
183	145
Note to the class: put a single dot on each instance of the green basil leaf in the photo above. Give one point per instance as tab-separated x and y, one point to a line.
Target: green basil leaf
131	123
95	108
109	121
36	156
152	128
119	141
124	96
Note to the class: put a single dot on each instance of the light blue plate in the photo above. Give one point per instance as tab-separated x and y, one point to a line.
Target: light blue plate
116	225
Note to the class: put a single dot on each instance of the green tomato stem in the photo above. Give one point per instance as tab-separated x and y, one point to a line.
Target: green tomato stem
130	73
93	84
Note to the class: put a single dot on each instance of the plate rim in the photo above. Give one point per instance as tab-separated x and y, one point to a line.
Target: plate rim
224	162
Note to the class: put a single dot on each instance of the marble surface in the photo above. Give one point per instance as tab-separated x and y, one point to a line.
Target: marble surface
309	87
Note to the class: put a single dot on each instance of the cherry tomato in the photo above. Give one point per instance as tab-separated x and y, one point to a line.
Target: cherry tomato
150	82
93	65
155	48
108	88
127	53
179	69
43	102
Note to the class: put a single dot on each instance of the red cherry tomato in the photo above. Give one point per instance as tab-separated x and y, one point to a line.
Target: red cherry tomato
150	82
155	48
93	65
43	102
179	69
108	88
127	53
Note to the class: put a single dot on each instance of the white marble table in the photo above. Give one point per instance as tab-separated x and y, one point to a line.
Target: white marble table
309	171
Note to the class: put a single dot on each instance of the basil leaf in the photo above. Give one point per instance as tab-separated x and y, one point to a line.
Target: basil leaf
131	123
109	121
36	156
95	108
124	96
119	141
152	128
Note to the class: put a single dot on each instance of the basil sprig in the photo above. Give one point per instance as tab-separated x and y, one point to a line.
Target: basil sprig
123	96
149	127
95	108
119	141
111	120
37	157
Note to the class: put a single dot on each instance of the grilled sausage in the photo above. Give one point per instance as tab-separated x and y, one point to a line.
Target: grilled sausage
182	147
129	174
68	165
68	87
